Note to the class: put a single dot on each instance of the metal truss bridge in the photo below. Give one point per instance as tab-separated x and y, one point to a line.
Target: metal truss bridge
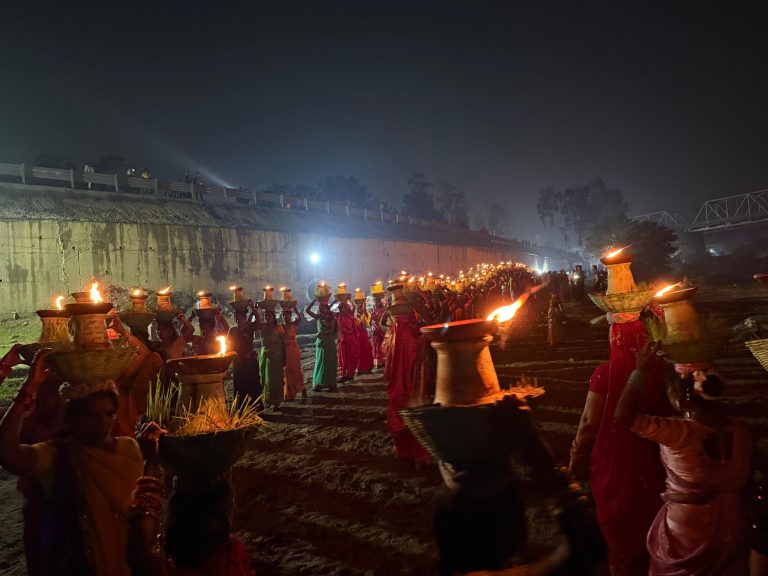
740	210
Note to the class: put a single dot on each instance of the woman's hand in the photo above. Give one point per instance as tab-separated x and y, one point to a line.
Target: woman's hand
647	358
38	371
12	357
148	438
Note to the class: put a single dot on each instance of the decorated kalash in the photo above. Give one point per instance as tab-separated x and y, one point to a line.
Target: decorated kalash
623	295
473	429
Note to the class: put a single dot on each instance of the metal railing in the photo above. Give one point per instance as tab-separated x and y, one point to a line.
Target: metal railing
125	184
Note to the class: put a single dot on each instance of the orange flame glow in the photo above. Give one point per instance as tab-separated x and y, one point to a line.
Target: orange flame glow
616	252
137	292
164	291
95	294
233	288
666	289
506	313
201	293
222	345
58	302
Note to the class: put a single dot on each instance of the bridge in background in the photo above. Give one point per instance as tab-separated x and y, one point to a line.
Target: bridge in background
721	213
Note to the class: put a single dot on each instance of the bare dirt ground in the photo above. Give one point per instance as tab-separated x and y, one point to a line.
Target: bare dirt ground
319	491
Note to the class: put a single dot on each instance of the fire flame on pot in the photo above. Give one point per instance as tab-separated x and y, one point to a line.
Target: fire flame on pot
222	345
164	291
506	313
616	252
58	302
137	292
666	289
95	294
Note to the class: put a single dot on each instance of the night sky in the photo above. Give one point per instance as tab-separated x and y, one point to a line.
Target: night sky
666	100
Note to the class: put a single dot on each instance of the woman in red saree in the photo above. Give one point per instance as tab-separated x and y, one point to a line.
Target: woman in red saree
364	347
625	469
399	374
377	332
347	344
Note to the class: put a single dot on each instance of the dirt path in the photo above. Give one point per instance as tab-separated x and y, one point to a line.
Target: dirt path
319	491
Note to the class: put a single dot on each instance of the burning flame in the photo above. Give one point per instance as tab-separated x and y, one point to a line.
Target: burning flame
282	288
378	283
616	252
411	279
137	292
222	345
233	288
164	291
201	293
322	283
58	302
666	289
95	294
506	313
403	273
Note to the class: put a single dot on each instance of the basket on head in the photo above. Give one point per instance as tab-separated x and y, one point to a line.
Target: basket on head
86	367
470	435
627	302
201	458
137	321
167	316
759	349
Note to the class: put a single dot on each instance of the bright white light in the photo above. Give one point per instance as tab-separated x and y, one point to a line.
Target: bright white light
314	257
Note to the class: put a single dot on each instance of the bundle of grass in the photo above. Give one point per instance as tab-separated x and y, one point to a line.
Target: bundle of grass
202	443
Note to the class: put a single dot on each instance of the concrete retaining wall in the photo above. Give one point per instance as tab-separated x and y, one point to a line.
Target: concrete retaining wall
54	244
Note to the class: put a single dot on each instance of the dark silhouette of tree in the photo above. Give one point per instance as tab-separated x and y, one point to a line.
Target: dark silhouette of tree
497	220
548	205
657	244
419	202
580	206
343	189
452	202
48	160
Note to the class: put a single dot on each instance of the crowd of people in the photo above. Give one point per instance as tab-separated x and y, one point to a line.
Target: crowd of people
94	493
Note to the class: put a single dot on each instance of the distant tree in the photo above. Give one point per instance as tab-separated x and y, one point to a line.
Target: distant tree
452	202
580	206
548	205
606	232
497	220
48	160
343	189
654	245
478	221
419	202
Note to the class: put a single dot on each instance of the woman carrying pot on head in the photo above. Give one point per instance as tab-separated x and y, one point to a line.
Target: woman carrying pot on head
246	379
86	478
294	375
326	360
702	526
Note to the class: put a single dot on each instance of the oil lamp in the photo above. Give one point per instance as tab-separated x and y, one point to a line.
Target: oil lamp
287	299
239	302
164	299
377	290
89	328
269	303
359	295
205	308
138	318
341	293
55	331
680	317
620	277
323	292
201	377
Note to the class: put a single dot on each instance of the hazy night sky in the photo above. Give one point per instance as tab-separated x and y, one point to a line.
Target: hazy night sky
666	100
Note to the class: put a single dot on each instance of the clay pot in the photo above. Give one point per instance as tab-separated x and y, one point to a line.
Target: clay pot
465	372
